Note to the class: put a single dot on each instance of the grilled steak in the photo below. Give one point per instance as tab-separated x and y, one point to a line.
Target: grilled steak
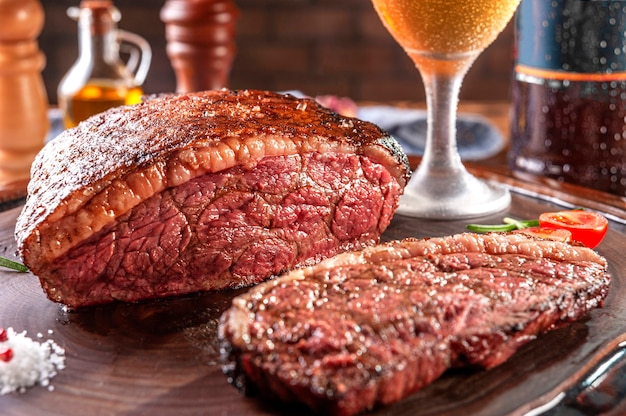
203	191
371	327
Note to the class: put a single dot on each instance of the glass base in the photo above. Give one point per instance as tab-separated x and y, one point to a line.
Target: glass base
450	198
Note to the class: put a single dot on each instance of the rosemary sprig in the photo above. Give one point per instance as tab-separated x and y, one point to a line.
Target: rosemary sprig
13	265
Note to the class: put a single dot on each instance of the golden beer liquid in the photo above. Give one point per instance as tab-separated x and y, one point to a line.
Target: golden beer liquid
97	97
449	29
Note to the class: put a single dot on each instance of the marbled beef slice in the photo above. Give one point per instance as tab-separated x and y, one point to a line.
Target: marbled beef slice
203	191
368	328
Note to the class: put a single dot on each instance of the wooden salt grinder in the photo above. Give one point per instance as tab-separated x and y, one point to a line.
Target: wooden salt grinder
200	38
23	100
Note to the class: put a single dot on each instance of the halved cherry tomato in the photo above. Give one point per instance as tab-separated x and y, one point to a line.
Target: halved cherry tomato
588	228
555	234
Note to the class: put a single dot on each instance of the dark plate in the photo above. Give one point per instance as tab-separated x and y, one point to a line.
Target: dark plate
162	358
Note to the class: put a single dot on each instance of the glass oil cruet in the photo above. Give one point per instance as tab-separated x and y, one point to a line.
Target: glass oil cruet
100	79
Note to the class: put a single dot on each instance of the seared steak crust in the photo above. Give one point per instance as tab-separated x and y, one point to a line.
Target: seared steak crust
133	194
373	326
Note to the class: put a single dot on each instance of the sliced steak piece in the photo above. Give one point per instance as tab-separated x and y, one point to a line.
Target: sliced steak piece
203	191
373	326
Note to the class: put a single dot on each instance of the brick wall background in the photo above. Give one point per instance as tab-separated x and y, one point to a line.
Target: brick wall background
316	46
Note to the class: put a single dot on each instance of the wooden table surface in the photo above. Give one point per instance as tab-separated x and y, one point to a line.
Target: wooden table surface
162	357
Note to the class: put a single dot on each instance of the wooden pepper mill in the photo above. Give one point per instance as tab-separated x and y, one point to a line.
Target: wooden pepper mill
200	38
23	99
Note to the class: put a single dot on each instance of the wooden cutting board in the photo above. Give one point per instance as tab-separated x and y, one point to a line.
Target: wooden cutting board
162	358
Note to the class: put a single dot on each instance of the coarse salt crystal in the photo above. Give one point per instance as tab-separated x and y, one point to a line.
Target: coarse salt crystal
32	363
346	123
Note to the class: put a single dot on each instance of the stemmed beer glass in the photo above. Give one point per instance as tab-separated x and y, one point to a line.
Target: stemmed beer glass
444	38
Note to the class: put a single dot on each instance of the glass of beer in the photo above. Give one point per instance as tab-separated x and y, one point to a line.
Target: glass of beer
444	38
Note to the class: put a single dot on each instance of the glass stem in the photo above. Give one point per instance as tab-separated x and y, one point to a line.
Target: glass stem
442	95
441	187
